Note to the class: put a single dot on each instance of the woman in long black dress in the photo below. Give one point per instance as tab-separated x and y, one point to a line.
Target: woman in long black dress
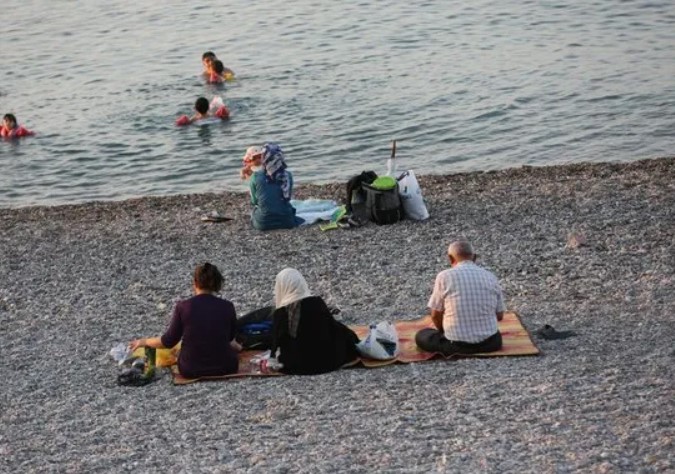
306	337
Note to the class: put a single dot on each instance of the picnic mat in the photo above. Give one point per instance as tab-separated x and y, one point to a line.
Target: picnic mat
516	342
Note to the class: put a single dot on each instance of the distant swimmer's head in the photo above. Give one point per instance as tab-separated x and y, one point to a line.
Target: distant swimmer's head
218	67
208	58
9	120
202	105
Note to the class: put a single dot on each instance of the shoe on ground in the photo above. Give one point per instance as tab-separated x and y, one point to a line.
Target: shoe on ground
548	332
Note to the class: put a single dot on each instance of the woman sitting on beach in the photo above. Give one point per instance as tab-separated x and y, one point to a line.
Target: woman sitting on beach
271	188
205	324
305	334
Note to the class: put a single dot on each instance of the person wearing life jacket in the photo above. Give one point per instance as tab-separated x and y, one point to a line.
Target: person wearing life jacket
10	128
202	107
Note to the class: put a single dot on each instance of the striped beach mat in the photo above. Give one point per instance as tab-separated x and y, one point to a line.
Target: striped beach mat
516	342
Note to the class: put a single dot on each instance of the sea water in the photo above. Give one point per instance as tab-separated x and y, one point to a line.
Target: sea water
461	86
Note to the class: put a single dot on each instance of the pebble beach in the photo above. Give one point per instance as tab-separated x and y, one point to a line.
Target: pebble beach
582	247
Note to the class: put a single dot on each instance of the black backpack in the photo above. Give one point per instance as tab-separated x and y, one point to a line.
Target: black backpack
355	185
254	330
383	206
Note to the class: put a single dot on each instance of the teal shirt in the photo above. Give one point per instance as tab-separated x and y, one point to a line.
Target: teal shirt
270	209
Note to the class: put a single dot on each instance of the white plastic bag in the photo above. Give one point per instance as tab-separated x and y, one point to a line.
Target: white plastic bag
120	352
411	196
381	343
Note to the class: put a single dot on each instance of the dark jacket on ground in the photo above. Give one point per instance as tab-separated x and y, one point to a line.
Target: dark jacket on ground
321	344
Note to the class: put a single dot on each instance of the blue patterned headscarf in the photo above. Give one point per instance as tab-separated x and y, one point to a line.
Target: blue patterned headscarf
274	164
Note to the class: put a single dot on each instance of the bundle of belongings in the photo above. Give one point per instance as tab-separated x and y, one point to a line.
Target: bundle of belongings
385	199
135	371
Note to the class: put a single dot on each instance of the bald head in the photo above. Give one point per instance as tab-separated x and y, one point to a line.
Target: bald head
460	250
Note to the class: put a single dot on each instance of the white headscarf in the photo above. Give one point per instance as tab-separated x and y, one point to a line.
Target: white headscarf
289	287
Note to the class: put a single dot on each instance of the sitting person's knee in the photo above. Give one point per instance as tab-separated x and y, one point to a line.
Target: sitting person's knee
494	343
423	338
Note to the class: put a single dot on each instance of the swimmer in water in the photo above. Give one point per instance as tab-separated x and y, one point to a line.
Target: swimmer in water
11	129
201	109
208	60
217	70
202	112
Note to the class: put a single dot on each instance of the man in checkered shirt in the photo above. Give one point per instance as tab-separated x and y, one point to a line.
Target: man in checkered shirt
466	304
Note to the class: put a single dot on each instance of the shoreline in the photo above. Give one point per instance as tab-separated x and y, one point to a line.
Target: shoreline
326	190
76	279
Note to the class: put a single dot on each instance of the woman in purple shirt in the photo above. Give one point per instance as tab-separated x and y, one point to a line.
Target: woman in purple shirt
205	324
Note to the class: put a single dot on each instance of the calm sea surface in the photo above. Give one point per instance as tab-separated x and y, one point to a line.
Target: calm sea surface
470	85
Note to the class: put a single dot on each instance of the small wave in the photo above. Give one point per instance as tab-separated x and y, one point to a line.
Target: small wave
524	100
604	98
489	115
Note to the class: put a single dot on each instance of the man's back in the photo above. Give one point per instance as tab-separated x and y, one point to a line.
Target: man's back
469	297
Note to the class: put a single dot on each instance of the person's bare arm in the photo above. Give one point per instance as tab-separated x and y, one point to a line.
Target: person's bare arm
155	342
437	319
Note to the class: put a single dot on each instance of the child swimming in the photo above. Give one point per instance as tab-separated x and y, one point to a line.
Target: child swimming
216	74
209	72
205	110
207	60
11	129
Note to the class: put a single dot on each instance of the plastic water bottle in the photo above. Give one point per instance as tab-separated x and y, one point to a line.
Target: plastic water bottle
151	360
264	364
258	363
